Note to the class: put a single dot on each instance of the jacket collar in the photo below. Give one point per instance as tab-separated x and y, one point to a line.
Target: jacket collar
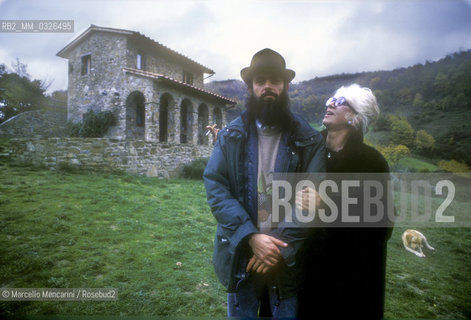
300	129
350	146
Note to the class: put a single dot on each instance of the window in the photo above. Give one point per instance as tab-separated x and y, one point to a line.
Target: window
187	77
140	61
86	64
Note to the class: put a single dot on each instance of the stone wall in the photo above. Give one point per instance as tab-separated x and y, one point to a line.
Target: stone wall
103	154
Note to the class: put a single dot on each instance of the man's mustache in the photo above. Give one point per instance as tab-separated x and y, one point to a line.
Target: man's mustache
269	94
271	112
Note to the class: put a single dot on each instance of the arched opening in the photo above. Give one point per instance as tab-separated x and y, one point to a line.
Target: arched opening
202	123
135	115
186	121
217	117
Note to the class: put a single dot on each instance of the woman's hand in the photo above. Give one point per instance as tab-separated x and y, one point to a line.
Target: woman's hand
213	131
308	199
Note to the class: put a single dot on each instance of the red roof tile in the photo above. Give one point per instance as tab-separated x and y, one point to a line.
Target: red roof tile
158	76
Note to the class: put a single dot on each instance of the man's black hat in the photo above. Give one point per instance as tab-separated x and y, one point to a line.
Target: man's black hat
267	60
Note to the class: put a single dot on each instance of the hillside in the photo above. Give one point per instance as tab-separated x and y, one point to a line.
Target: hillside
435	97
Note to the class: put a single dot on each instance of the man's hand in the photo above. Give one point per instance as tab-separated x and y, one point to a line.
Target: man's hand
257	265
265	248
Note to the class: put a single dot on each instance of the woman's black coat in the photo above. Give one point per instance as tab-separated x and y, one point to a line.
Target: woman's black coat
344	268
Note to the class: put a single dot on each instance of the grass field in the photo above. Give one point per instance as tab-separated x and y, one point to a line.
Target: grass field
417	165
152	240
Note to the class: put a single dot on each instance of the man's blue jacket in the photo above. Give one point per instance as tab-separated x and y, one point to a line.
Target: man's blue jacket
231	185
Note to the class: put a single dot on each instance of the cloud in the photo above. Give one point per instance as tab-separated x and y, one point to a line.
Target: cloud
44	70
4	56
316	38
388	35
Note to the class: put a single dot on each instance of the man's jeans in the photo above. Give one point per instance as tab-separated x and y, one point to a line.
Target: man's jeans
245	302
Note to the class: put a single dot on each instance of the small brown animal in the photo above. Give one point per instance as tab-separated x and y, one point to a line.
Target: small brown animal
414	241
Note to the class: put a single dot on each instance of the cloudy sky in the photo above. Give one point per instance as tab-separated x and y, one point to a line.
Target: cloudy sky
317	38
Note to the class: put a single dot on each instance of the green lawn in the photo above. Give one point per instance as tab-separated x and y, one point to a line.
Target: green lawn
417	165
152	240
435	287
63	230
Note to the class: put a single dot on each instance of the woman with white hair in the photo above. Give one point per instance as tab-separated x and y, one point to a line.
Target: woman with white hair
348	114
345	267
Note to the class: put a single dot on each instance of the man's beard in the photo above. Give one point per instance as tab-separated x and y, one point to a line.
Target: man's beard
270	112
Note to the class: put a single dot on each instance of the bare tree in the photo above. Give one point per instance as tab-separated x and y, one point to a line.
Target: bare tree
20	68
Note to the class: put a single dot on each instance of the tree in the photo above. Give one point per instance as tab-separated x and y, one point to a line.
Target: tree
379	94
393	153
383	122
374	82
418	100
20	68
454	166
445	103
441	83
18	93
402	131
405	95
461	101
424	141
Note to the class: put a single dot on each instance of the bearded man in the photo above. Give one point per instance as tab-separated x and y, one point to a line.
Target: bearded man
254	258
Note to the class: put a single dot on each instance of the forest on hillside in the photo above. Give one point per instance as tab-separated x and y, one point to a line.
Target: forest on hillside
425	108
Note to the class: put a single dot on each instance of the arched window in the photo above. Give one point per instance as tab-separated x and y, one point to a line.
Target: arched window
135	115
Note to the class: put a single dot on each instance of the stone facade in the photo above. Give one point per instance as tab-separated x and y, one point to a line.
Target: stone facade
157	94
104	154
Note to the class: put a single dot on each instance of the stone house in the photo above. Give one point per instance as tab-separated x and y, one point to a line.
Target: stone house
157	93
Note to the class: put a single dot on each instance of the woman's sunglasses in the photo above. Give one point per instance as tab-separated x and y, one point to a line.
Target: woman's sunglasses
334	102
